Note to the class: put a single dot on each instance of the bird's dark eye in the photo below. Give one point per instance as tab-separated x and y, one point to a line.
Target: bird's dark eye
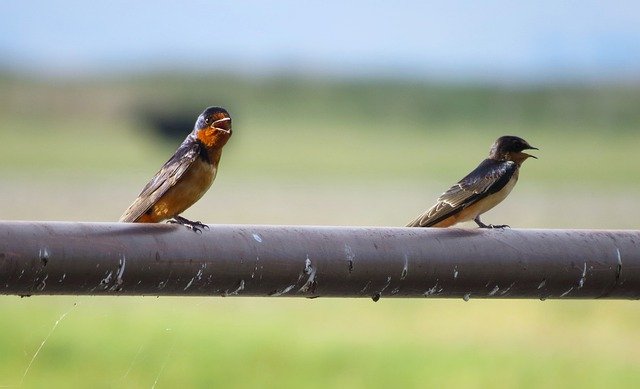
207	120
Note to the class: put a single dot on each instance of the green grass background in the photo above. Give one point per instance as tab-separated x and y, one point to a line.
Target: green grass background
365	152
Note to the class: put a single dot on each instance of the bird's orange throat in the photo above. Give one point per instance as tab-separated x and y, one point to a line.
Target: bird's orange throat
211	137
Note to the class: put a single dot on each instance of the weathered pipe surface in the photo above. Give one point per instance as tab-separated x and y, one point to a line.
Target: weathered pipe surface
43	258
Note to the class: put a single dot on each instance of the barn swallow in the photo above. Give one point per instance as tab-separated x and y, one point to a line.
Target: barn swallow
482	189
186	176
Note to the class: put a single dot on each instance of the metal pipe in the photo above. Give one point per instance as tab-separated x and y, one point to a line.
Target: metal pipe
50	258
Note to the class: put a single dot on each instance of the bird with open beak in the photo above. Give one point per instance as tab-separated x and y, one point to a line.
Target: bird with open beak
482	189
186	176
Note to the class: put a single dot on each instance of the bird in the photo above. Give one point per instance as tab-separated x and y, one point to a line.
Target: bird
482	189
186	176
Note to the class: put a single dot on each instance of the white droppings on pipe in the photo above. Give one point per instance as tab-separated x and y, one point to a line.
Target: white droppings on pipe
189	283
349	253
311	271
106	280
283	291
619	257
431	290
43	283
583	278
43	253
405	268
387	284
508	289
121	265
237	290
567	292
365	287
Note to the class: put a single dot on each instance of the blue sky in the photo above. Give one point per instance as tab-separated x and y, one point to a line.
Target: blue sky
489	40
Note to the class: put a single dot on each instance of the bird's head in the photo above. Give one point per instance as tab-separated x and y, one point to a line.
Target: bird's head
213	127
511	148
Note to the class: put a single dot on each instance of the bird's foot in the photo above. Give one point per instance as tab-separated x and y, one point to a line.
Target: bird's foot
482	225
500	226
196	226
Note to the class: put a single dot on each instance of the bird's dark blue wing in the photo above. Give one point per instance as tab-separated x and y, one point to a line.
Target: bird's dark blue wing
488	178
167	177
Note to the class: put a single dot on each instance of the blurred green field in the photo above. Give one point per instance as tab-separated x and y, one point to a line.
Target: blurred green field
319	152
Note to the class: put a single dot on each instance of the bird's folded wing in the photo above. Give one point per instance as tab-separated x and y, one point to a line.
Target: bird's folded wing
489	177
167	177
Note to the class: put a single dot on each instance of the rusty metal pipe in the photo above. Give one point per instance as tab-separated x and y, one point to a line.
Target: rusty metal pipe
49	258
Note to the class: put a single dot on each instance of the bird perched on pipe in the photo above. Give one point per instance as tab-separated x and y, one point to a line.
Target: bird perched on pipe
186	176
482	189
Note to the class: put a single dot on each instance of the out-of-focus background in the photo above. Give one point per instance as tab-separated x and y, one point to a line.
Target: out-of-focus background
344	114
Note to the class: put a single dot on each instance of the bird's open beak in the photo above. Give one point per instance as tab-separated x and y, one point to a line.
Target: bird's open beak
529	155
227	130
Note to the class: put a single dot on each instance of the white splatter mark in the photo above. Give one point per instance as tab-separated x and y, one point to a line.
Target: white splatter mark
494	290
386	285
64	275
163	284
567	292
43	253
237	290
455	272
619	257
431	290
106	280
365	287
255	268
405	268
508	289
189	283
351	256
311	271
542	284
466	297
583	278
283	291
257	238
43	283
379	293
121	265
349	253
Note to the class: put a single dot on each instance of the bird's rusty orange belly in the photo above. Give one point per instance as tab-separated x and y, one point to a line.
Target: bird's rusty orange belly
190	188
